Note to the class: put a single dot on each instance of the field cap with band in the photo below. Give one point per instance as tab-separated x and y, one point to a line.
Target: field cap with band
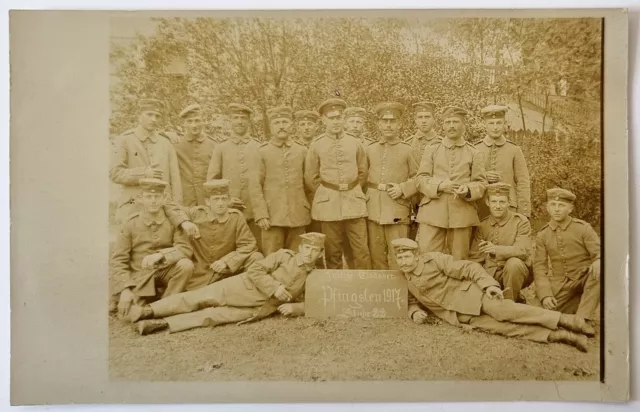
424	107
152	185
559	194
191	110
306	115
280	112
332	107
150	105
453	111
494	112
217	187
498	189
314	239
237	108
403	244
389	110
355	112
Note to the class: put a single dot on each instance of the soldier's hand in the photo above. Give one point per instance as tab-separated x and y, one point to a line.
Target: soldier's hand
150	261
448	187
126	299
152	172
549	303
191	229
595	270
394	191
494	292
218	266
236	203
487	247
493	177
419	317
462	190
282	295
291	309
264	223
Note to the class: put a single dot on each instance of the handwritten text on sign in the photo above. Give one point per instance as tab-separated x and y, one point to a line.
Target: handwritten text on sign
356	293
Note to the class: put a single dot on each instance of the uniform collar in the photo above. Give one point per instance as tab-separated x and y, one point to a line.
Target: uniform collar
279	143
553	225
199	138
143	135
448	143
419	268
339	136
395	142
490	142
212	217
240	139
493	221
302	141
149	220
422	136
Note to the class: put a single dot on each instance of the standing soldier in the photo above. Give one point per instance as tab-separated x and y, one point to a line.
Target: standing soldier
390	185
194	155
573	283
143	153
306	126
335	169
149	252
354	121
502	243
233	159
451	178
504	162
425	136
277	190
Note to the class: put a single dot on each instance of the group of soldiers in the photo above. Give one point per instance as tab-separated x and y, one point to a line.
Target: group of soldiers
217	231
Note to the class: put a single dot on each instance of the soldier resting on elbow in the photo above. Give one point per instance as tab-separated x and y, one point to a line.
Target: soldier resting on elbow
502	243
461	293
274	284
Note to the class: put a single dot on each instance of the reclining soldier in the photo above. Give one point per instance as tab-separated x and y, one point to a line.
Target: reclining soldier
274	284
460	292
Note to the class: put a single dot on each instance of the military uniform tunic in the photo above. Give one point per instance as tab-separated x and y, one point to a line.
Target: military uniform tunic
194	155
419	143
572	247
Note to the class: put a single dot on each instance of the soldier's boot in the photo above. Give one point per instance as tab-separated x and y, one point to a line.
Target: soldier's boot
137	312
570	338
146	327
576	324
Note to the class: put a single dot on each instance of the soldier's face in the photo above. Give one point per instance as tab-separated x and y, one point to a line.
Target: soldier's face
306	128
495	127
354	125
219	204
390	128
559	210
407	261
149	120
309	253
498	205
453	127
334	123
240	123
280	128
193	125
152	202
425	121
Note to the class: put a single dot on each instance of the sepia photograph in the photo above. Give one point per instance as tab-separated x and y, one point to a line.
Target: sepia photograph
316	199
279	206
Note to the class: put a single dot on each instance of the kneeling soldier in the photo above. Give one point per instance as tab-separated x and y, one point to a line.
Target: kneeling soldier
573	283
269	286
502	243
224	244
149	252
461	292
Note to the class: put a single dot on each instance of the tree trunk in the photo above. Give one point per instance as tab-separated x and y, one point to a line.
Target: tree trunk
524	126
546	107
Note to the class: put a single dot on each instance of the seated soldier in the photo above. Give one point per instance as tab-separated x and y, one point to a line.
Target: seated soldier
573	283
270	285
502	243
461	292
149	252
224	244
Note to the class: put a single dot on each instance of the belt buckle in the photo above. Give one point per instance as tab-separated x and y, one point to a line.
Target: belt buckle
382	187
343	187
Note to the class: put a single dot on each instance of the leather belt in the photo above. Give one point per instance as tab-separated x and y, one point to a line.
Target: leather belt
343	187
380	186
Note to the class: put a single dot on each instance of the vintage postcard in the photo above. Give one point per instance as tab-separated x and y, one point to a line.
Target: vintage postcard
320	206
